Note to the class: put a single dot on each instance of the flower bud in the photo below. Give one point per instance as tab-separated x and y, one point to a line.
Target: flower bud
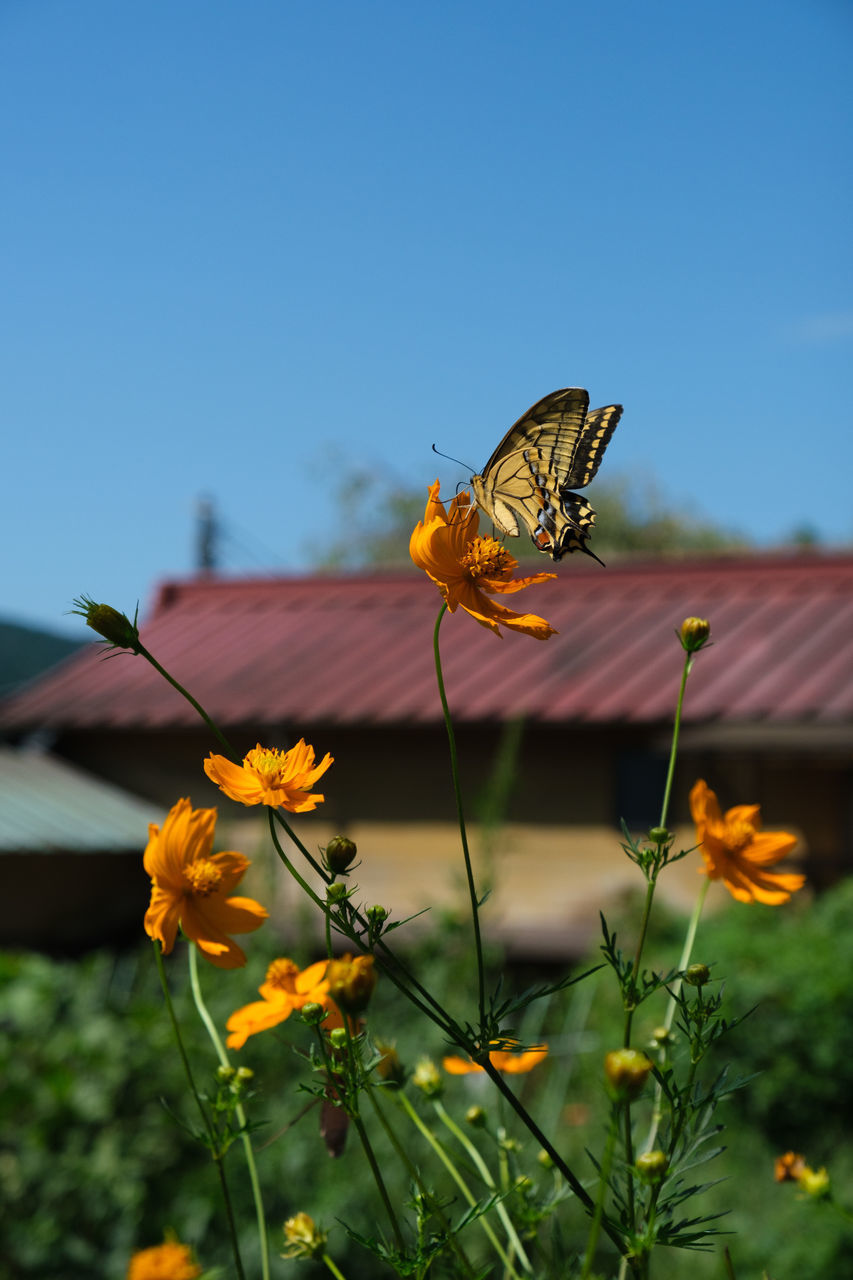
697	975
389	1068
225	1073
476	1117
336	892
351	982
340	854
627	1071
313	1013
303	1238
652	1166
660	835
116	628
693	633
427	1078
661	1037
543	1158
244	1074
338	1038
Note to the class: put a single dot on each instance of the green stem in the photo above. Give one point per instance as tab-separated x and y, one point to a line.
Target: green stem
603	1182
676	729
445	1158
483	1170
239	1112
638	956
214	728
469	871
440	1018
672	1004
428	1196
339	1275
205	1118
353	1083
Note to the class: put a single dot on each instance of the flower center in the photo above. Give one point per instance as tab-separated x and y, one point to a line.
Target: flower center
203	877
487	558
281	974
266	763
739	835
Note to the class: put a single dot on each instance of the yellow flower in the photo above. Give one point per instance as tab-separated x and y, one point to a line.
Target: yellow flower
282	779
285	989
512	1064
737	852
302	1237
465	567
190	887
168	1261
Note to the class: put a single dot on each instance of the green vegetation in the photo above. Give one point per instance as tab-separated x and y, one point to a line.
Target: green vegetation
93	1165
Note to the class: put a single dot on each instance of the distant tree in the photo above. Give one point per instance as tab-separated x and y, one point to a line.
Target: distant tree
378	511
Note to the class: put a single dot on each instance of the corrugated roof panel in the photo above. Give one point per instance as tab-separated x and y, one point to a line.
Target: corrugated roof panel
359	650
48	806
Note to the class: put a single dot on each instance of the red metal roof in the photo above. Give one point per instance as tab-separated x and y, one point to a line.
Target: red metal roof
358	649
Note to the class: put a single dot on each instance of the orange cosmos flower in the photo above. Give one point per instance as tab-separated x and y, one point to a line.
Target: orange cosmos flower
282	779
190	887
468	570
286	988
737	852
512	1064
169	1261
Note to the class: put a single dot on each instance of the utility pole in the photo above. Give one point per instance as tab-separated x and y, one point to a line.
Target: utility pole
206	536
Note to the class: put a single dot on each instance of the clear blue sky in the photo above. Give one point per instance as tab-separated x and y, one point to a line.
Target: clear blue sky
247	247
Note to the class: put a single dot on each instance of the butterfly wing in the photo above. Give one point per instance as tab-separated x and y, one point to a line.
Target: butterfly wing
555	447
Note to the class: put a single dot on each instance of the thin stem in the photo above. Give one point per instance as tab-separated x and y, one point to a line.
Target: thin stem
441	1018
482	1168
686	952
445	1158
352	1110
205	1118
412	1170
214	728
638	956
339	1275
239	1112
469	871
603	1182
676	729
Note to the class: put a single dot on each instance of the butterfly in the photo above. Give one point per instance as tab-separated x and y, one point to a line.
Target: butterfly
554	448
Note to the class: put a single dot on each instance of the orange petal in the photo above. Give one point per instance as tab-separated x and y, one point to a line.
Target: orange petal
237	782
255	1017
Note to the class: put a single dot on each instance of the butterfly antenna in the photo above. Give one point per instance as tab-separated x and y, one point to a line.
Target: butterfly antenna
449	459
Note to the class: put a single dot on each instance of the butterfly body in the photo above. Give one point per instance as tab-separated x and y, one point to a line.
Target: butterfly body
553	449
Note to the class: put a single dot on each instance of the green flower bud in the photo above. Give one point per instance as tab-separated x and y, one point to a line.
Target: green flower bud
476	1117
340	854
116	628
313	1014
697	975
652	1167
